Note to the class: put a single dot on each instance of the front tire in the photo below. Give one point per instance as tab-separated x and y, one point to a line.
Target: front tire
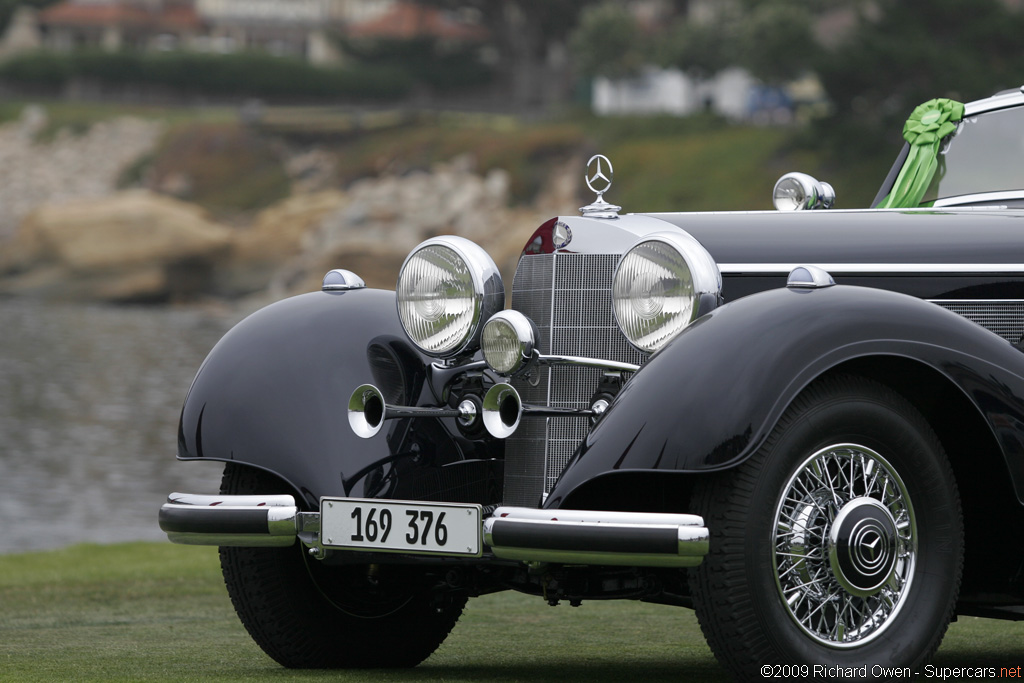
305	614
839	543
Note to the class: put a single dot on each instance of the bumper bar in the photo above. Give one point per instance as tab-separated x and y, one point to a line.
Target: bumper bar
638	539
635	539
255	521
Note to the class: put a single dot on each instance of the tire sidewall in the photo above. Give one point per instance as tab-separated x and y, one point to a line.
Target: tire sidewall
909	446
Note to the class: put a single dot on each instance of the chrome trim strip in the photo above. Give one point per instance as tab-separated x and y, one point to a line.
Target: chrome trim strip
877	268
587	362
978	197
599	516
277	500
1010	98
975	301
775	212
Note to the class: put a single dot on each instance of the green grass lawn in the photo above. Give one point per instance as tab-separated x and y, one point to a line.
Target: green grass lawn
157	612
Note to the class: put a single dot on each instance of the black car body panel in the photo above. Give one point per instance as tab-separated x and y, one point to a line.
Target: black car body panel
273	394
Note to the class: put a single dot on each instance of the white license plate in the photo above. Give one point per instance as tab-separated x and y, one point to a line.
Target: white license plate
401	526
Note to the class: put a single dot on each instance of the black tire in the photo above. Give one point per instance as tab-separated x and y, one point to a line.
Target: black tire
305	614
804	568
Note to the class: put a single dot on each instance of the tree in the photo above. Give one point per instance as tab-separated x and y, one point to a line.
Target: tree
523	32
606	42
775	41
8	7
701	49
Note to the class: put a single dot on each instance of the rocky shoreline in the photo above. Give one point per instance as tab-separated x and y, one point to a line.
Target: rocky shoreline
68	232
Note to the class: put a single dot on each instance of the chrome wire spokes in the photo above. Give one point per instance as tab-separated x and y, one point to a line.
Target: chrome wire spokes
844	545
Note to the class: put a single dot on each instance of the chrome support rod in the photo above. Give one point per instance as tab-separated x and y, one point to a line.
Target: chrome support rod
392	412
554	411
586	362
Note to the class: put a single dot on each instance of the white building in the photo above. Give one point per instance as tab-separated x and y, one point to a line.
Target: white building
671	91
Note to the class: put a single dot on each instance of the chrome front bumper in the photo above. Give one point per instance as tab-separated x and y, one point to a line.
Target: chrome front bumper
636	539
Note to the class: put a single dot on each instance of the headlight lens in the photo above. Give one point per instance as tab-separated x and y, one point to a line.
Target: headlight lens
508	341
447	287
662	284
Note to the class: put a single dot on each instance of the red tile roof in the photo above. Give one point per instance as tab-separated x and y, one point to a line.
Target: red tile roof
408	20
118	14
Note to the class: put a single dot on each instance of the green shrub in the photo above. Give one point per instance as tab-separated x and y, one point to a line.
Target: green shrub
40	68
426	60
251	74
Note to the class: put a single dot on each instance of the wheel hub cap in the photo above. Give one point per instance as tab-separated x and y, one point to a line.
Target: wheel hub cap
863	546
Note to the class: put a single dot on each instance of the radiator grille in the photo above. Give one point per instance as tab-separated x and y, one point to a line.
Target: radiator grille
1005	318
568	297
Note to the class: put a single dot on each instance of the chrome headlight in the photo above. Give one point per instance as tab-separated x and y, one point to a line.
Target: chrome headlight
447	288
662	284
507	341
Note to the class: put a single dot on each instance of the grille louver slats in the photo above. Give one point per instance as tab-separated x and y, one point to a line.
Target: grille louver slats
568	297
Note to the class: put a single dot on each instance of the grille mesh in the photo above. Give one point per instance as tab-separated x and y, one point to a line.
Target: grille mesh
1005	318
568	297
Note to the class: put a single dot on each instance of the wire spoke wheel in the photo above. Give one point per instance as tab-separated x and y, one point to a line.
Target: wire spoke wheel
838	542
845	545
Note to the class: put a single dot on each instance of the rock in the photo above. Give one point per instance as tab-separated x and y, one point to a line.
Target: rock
131	246
35	172
384	218
279	235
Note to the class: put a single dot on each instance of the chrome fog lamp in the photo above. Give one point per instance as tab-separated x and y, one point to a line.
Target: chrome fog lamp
447	287
661	285
507	341
799	192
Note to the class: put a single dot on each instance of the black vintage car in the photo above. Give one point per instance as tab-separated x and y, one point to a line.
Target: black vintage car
806	425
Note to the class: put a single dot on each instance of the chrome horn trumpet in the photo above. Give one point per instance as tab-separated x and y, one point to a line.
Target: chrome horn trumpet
366	410
502	409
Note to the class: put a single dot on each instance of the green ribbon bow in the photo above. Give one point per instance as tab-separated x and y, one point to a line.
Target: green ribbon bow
924	130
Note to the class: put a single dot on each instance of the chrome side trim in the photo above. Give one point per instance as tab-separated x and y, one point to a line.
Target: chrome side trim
1010	98
597	537
978	197
877	268
975	301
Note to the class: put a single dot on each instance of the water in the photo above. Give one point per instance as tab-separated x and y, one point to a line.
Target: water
89	404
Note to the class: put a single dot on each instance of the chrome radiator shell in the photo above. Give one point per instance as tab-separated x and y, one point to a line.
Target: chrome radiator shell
568	297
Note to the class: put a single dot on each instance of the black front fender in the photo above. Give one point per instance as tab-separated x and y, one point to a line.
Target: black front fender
710	398
273	393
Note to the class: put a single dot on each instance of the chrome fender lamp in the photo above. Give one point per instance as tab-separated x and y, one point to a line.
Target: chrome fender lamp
801	192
